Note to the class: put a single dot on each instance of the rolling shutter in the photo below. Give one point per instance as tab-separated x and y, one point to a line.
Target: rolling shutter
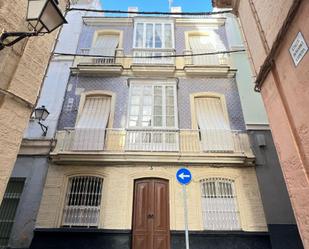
91	126
203	44
105	45
214	127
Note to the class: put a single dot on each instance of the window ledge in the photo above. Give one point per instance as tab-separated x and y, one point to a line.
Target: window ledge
151	69
113	69
216	70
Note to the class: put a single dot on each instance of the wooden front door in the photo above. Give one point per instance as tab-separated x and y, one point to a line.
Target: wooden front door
151	214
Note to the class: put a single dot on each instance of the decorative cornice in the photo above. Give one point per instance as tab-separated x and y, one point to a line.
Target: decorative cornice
36	147
127	158
215	22
114	70
144	70
212	71
257	127
108	20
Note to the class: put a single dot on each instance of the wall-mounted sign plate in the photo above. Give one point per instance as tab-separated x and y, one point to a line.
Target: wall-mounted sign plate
298	49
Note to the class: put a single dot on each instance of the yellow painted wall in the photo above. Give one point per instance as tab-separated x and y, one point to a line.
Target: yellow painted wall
118	195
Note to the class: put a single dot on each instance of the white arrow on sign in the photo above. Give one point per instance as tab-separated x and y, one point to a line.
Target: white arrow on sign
183	176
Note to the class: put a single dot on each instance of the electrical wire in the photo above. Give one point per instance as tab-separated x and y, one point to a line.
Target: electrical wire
151	12
154	56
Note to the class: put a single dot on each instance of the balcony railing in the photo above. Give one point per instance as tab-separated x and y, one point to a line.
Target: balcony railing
100	59
156	140
205	60
153	52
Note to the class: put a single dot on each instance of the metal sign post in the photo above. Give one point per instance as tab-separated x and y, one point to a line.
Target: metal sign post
184	191
184	177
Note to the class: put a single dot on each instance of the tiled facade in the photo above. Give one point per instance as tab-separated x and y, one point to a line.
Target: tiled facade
119	85
120	168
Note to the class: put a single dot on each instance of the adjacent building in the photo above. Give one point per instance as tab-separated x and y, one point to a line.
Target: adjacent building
133	113
279	214
23	194
277	38
22	69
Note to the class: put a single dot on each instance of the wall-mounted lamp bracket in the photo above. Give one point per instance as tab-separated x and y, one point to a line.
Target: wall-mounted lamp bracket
44	128
8	39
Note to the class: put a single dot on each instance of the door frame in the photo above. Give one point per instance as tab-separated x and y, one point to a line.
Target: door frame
168	206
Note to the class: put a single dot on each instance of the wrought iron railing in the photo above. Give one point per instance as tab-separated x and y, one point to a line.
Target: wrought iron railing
98	56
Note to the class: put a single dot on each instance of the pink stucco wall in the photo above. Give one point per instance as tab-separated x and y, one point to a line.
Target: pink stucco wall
286	96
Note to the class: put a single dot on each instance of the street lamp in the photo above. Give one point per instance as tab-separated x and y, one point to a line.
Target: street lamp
40	114
43	17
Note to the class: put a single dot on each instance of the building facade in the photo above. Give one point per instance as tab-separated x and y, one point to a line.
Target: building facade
130	118
22	69
277	207
277	40
23	194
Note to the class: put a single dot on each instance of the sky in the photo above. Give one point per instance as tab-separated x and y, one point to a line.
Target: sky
158	5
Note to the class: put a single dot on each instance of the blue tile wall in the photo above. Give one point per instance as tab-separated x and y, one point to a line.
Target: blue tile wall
86	37
218	33
225	86
118	85
186	86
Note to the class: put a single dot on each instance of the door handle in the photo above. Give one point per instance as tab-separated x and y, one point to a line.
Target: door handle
150	216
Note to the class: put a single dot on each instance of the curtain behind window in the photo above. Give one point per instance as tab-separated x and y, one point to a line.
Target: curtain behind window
91	126
215	131
105	45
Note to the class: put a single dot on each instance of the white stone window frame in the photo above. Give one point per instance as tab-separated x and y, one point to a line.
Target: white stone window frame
153	22
154	83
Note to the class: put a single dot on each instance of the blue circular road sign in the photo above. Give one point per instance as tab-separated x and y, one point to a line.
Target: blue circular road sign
184	176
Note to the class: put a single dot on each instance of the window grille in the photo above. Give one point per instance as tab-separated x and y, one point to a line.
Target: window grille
8	209
83	200
219	204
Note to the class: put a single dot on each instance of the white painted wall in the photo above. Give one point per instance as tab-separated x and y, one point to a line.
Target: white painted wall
54	86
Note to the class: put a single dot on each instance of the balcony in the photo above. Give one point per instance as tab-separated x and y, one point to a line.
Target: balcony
88	64
157	145
211	65
157	65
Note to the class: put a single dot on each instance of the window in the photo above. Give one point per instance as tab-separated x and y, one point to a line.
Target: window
8	209
152	106
219	205
213	124
203	44
83	201
153	38
105	45
152	119
91	125
153	35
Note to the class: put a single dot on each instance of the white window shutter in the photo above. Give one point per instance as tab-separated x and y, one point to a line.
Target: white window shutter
202	44
91	126
214	127
105	45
